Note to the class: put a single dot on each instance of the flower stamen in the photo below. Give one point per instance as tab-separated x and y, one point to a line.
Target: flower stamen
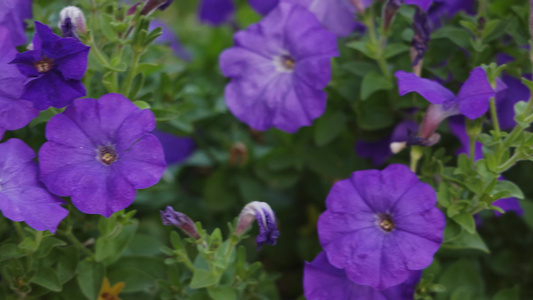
107	155
44	65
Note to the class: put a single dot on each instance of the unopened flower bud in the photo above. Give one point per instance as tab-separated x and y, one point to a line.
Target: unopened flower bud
238	154
150	6
420	41
171	217
359	6
266	219
389	11
72	22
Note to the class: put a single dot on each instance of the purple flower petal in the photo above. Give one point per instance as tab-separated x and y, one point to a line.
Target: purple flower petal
177	149
22	197
431	90
338	16
474	96
12	16
278	70
99	152
263	6
458	128
216	12
505	100
423	4
324	281
375	220
54	69
15	113
508	204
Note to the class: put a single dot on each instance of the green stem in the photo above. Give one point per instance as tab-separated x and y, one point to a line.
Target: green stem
509	163
416	154
494	115
185	259
18	229
74	240
379	44
131	73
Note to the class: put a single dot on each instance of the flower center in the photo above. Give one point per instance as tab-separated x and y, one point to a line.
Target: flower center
285	63
107	155
44	65
385	222
108	296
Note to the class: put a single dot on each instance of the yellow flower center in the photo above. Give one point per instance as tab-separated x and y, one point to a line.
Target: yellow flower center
44	65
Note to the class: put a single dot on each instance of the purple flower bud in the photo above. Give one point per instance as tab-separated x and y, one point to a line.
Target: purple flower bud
171	217
266	218
389	11
149	6
72	22
421	37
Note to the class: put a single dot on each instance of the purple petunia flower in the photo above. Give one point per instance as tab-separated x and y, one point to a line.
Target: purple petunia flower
324	281
380	151
177	149
278	69
217	12
266	219
12	16
338	16
379	226
100	152
472	100
22	196
15	113
55	62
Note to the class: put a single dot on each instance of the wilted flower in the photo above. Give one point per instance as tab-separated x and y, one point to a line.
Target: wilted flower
238	154
171	217
324	281
100	152
110	293
278	69
472	100
266	219
72	22
149	6
379	226
15	112
56	62
12	16
22	196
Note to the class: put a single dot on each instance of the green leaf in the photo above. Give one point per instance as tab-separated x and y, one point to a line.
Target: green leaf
68	261
461	278
29	245
8	251
510	189
467	241
142	104
360	68
328	127
395	49
47	244
458	36
135	279
90	277
508	294
363	47
467	221
375	113
47	278
373	82
203	278
222	292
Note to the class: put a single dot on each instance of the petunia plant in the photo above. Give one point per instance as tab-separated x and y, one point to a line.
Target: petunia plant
266	149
